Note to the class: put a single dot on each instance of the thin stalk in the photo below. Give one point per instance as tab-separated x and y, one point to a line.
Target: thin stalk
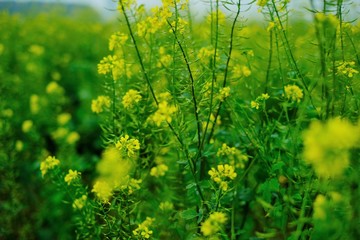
192	85
269	61
138	52
225	74
289	51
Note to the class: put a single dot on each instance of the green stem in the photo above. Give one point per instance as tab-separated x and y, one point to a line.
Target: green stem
138	52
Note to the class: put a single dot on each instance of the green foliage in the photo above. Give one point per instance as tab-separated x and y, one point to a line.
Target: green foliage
218	128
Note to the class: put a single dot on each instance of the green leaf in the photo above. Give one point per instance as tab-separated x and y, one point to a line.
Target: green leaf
189	214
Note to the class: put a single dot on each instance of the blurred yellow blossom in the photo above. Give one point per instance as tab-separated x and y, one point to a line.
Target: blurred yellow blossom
54	88
27	125
262	3
163	113
319	207
36	50
113	168
347	69
213	224
71	176
34	104
72	138
48	164
327	145
19	145
166	206
159	170
63	118
293	93
235	156
79	203
117	40
97	105
224	93
103	191
60	133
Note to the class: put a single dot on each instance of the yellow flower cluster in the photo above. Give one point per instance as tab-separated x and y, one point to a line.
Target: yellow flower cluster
159	170
97	105
128	145
347	69
102	190
322	204
54	88
259	101
117	40
262	3
327	145
27	125
113	171
34	104
241	71
236	158
166	206
143	230
130	98
71	176
224	93
131	185
330	19
154	23
63	118
165	59
211	122
205	55
107	64
221	17
293	93
179	26
49	163
36	50
222	175
163	113
79	203
213	224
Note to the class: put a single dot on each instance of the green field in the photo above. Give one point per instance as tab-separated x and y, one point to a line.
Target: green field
163	125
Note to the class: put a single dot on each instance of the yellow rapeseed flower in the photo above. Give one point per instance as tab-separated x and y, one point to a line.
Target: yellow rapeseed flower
73	137
54	88
143	230
293	93
159	170
130	98
103	191
48	164
97	105
34	104
63	118
213	224
327	145
222	175
164	113
128	145
71	176
79	203
224	93
27	125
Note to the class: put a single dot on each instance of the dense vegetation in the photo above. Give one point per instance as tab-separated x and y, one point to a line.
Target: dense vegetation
160	126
